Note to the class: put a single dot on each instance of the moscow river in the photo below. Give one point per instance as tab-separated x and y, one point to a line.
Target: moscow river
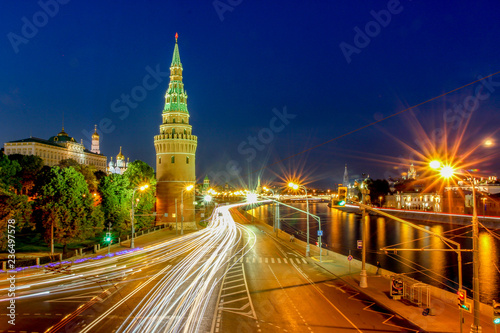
342	230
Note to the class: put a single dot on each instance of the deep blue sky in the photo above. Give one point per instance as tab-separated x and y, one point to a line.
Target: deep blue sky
261	56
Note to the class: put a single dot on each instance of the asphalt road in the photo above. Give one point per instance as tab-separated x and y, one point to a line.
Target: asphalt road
230	277
274	289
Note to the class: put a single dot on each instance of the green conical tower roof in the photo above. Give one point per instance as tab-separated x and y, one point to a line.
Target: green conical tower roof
176	97
176	58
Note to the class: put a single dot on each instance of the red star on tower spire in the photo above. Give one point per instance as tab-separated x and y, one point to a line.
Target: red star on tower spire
176	36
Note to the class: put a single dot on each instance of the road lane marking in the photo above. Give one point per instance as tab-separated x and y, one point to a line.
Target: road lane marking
272	260
304	261
238	285
284	259
320	292
266	260
123	300
279	261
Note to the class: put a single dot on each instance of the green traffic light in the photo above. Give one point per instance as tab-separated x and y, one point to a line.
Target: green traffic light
465	307
496	320
342	203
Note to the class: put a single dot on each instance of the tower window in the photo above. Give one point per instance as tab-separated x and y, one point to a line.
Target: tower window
159	160
173	120
172	159
187	159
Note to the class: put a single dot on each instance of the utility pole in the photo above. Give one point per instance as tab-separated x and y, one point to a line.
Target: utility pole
363	281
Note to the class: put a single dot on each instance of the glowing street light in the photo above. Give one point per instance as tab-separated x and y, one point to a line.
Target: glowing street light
141	188
447	171
295	187
187	189
252	197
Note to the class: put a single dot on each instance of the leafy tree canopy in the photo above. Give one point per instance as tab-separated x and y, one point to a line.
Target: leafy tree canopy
63	201
8	171
31	166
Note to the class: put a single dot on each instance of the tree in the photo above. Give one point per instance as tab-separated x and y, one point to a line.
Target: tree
64	204
31	166
8	171
88	172
68	162
138	174
13	207
378	188
116	198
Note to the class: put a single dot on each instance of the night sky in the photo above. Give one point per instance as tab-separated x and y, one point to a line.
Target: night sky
331	66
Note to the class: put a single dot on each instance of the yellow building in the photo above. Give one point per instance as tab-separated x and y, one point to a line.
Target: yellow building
58	148
175	153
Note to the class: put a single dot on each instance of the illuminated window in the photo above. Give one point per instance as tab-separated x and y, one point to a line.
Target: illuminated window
172	159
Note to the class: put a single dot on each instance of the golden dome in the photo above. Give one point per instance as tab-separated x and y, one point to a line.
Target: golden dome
120	155
95	135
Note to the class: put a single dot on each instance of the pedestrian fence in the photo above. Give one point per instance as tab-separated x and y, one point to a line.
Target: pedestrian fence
416	292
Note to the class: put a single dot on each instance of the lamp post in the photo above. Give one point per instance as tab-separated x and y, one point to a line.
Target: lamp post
142	188
363	277
276	225
187	188
447	171
295	187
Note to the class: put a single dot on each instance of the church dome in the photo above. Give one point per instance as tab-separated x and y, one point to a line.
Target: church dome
62	137
120	156
95	135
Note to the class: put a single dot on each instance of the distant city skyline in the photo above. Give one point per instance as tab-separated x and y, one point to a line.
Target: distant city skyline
266	83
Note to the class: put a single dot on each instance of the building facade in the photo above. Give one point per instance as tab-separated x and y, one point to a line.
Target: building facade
175	152
119	166
57	148
429	202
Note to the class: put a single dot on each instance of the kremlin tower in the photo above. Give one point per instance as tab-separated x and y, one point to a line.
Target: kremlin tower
95	142
175	152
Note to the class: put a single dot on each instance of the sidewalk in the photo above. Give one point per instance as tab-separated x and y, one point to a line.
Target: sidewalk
447	314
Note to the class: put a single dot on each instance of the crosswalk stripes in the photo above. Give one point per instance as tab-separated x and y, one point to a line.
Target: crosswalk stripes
267	260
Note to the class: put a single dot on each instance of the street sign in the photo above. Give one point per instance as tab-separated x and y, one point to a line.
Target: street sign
360	244
320	232
396	287
349	257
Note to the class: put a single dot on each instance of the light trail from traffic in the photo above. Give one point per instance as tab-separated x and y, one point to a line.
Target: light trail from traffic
181	297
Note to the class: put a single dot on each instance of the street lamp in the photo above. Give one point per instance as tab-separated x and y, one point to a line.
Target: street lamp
295	187
276	225
187	188
448	171
142	188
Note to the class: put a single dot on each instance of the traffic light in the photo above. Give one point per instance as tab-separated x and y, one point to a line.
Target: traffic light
108	237
496	313
462	297
341	203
